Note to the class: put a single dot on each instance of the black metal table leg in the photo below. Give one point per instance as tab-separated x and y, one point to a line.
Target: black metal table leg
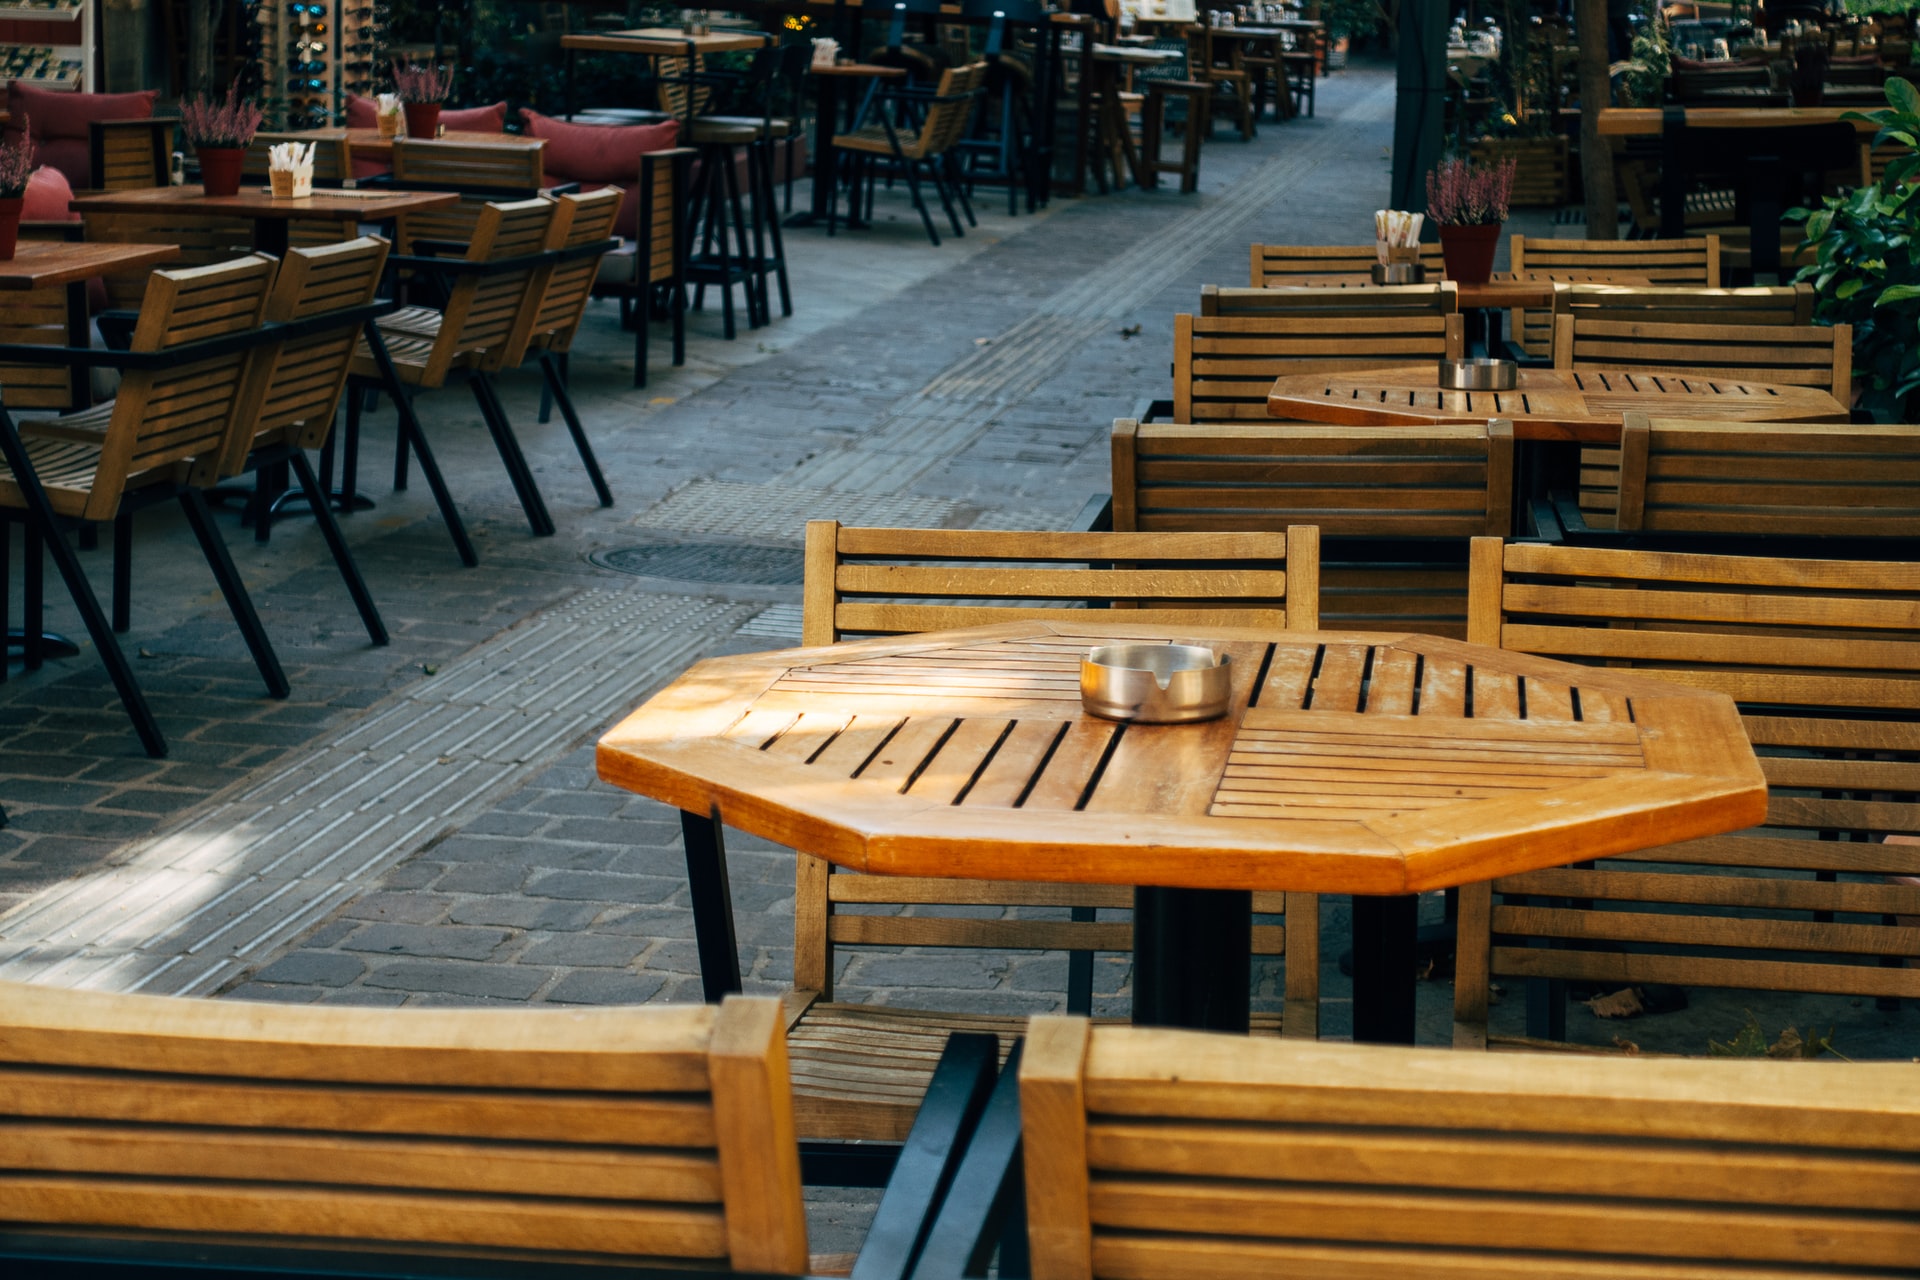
1192	958
1384	977
712	904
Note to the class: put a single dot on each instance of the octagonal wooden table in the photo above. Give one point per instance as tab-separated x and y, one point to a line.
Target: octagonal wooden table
1547	404
1374	765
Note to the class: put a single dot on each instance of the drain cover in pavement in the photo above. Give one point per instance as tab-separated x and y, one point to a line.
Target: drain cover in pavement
707	562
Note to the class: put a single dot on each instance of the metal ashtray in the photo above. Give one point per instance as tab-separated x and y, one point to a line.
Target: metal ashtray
1479	374
1155	683
1399	273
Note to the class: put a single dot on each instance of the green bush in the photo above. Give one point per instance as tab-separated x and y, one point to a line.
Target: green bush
1867	274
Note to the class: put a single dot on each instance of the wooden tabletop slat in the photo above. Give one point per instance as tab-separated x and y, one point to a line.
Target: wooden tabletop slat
259	202
1368	763
39	264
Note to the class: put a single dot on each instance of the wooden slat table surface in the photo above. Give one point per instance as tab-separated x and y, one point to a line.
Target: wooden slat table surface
1348	763
38	264
1650	121
1547	404
668	42
369	144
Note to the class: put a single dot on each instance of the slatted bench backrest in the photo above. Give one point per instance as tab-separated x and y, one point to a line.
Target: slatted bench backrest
1180	1154
1824	658
1693	260
657	1132
1324	297
1224	366
1273	264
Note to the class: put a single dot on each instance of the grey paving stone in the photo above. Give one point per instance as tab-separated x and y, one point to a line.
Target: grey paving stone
455	942
583	950
606	986
489	981
314	968
515	912
601	886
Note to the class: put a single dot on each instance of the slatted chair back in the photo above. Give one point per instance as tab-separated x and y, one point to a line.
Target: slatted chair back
123	155
1824	658
661	1132
662	194
1442	299
176	413
297	383
332	165
1224	366
1787	304
1152	1152
1801	355
884	582
480	171
894	581
482	310
677	98
1394	505
36	317
558	301
202	240
1278	264
1807	480
1689	261
949	113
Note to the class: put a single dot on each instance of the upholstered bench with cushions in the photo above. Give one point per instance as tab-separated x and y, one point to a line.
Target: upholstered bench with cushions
59	122
601	155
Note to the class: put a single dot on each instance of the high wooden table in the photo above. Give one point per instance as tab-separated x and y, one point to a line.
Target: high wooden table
1547	404
657	42
268	214
826	121
48	264
1375	765
369	144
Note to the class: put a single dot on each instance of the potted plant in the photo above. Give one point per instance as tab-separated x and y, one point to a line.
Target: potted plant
219	133
1867	269
421	90
16	162
1468	203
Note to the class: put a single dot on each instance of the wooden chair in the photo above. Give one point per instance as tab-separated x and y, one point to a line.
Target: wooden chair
653	274
1395	506
859	1068
169	412
1688	261
332	165
126	154
1224	366
1275	264
467	338
1824	658
662	1133
481	172
912	149
203	240
1787	304
1854	481
557	303
1161	87
1182	1154
1218	62
1442	299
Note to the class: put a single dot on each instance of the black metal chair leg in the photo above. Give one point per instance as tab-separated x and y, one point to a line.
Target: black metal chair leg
417	438
214	547
35	584
558	388
679	309
123	571
926	218
337	544
508	446
399	463
779	245
6	592
645	310
41	519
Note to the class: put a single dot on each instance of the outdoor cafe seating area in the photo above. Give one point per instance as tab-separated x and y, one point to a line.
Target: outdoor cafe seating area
1550	632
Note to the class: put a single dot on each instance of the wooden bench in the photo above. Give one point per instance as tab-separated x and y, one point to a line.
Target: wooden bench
1304	299
1820	481
1686	261
1395	505
1279	264
859	1069
663	1132
1824	656
1224	366
1181	1155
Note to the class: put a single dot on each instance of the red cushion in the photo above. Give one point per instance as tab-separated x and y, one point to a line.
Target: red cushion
47	197
60	123
362	113
602	153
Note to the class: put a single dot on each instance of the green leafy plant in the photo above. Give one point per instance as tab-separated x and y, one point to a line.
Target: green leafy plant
1867	273
1751	1042
1644	84
1350	17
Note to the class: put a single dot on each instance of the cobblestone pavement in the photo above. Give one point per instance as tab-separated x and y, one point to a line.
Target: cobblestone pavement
421	823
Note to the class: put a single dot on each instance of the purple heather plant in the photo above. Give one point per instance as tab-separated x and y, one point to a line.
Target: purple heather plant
1461	193
416	82
231	123
16	162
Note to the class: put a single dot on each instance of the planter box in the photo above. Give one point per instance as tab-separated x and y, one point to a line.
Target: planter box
1540	179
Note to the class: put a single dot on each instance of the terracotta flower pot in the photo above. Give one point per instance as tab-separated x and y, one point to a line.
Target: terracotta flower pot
1469	251
220	169
423	119
9	225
